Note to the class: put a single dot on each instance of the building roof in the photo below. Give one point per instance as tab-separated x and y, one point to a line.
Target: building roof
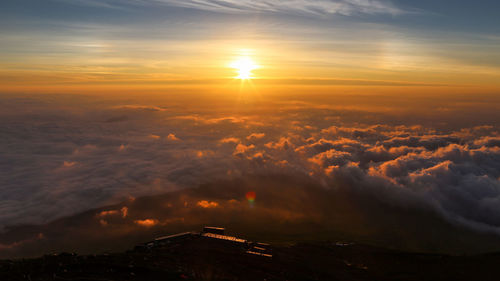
173	236
224	237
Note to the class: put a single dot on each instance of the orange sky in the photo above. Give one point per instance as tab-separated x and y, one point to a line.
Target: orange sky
114	68
120	46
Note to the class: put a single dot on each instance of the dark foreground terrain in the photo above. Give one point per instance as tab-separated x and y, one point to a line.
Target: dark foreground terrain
203	258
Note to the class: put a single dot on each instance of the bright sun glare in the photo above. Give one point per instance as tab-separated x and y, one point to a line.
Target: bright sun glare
244	66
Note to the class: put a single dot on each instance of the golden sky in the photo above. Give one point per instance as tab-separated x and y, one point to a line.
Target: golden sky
64	46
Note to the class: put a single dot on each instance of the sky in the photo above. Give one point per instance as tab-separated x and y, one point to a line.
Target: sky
104	45
352	120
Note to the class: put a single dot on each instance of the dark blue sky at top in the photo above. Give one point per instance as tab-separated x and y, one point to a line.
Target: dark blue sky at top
456	15
461	14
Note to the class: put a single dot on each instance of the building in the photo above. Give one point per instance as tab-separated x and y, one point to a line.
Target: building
213	233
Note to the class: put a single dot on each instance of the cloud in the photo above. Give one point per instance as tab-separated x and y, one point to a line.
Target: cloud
204	153
230	140
283	143
69	164
207	204
331	157
450	173
304	7
147	222
124	211
296	7
488	141
139	107
108	213
398	159
242	149
172	137
256	136
283	204
16	244
209	120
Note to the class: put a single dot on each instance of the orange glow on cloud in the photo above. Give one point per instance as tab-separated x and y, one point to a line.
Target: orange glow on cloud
241	148
256	136
69	164
107	213
124	212
146	222
204	153
230	140
172	137
103	222
207	204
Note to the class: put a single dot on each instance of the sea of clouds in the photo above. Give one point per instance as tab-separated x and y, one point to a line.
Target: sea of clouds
62	154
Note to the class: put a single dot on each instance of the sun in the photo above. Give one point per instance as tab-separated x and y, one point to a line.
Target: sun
244	67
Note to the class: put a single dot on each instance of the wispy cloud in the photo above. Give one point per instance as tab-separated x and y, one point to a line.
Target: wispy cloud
314	7
304	7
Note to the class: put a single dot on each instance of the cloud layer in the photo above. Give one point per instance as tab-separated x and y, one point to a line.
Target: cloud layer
59	156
